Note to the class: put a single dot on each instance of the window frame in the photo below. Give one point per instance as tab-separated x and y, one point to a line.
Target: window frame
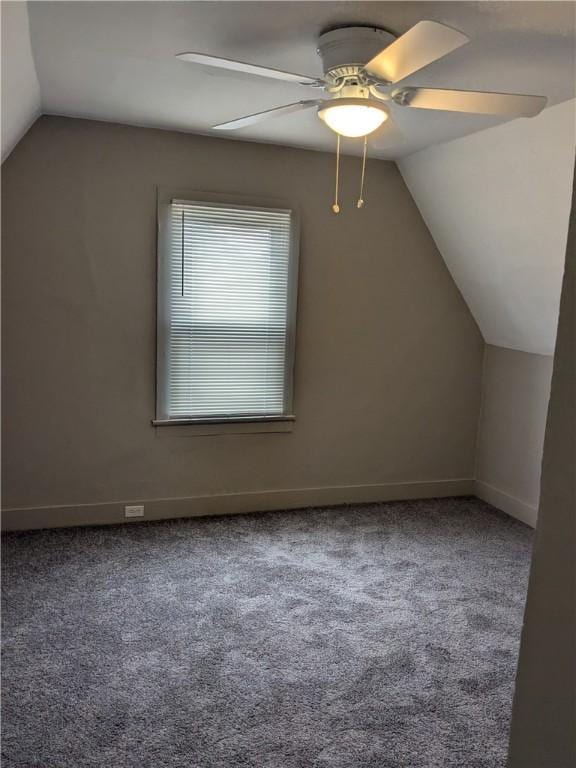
165	197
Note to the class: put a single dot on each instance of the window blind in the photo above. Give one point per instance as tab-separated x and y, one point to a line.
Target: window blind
227	335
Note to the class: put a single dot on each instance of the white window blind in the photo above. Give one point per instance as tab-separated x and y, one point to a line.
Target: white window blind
227	325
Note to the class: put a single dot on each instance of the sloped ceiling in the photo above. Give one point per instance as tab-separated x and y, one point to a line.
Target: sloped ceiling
497	204
116	61
20	88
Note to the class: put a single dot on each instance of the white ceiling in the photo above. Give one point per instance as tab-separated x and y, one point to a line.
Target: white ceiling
498	205
20	88
115	61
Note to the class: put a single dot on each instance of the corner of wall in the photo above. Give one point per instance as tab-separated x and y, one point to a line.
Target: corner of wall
506	503
21	96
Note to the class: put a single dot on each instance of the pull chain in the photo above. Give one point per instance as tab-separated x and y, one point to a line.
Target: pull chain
360	202
336	207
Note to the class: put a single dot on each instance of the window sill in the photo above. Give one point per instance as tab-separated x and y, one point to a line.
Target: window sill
191	428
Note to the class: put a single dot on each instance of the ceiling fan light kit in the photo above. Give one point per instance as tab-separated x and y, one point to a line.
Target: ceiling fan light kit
362	68
353	117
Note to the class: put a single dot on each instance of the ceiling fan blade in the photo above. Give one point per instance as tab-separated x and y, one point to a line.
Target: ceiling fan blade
248	69
424	43
477	102
243	122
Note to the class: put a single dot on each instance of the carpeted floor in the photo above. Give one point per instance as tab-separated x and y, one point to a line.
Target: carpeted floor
380	636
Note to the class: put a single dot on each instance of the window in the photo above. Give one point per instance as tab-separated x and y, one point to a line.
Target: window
226	311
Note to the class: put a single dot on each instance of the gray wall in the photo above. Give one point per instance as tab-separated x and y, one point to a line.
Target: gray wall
515	393
388	361
543	733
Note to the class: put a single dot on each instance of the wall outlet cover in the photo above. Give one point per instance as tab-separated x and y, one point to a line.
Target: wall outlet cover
135	510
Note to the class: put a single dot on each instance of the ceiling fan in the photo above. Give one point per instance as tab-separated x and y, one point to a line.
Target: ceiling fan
363	67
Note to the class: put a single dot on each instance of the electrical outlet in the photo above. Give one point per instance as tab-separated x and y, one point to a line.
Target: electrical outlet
136	510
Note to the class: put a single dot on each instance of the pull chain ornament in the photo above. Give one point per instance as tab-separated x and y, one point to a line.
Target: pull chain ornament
360	203
336	207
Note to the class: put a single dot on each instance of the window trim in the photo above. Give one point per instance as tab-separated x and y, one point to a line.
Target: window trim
165	197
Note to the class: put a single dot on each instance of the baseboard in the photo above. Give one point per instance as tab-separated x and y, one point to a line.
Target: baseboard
509	504
20	519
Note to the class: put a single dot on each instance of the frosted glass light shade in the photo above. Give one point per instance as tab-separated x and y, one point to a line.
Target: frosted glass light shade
353	120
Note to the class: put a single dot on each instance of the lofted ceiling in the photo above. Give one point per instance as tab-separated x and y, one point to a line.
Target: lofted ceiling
115	61
498	204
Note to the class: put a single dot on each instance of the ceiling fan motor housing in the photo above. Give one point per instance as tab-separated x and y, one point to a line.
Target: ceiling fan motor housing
344	51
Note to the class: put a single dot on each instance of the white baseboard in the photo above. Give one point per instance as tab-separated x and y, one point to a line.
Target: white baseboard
26	518
509	504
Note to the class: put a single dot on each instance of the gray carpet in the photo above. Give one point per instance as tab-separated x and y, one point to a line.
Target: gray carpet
380	636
